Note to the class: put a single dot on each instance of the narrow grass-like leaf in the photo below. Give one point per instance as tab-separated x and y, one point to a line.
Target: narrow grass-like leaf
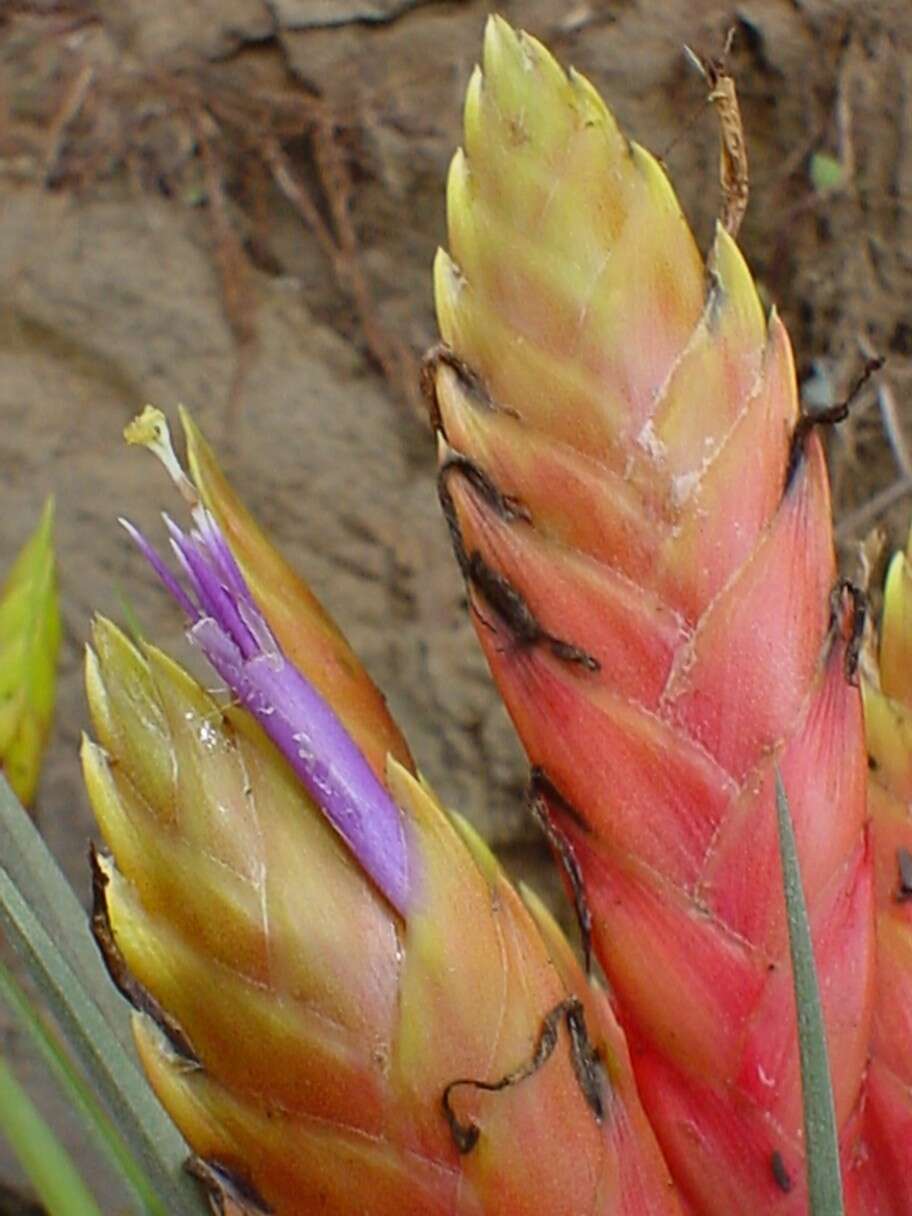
822	1146
153	1138
47	1164
80	1096
128	1098
53	903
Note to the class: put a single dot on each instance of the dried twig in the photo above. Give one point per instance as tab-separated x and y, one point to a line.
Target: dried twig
299	197
733	174
73	102
228	251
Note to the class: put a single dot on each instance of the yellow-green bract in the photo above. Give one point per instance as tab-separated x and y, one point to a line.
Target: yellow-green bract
29	644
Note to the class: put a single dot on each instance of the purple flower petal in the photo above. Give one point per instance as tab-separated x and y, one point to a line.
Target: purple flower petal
214	598
210	536
151	555
322	753
239	644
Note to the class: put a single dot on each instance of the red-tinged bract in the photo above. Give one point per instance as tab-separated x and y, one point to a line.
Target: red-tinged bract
645	532
302	1032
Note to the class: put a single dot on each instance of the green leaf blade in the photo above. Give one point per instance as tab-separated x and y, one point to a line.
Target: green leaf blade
821	1140
74	1088
47	1164
68	976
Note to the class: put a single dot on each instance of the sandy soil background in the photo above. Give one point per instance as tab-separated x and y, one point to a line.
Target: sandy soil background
234	204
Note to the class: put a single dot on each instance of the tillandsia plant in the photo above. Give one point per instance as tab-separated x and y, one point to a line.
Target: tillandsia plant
642	517
29	645
342	1001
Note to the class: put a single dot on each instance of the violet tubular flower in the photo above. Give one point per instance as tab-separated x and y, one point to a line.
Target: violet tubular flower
230	630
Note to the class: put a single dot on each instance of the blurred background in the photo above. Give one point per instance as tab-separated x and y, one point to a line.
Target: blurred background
234	204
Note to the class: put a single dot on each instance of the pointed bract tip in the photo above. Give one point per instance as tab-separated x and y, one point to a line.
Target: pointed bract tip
507	50
497	32
477	846
46	525
444	450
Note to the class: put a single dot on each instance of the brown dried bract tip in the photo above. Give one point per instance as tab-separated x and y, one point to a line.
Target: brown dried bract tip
904	866
507	506
500	595
117	969
442	355
586	1066
733	174
542	792
498	592
513	609
228	1193
848	613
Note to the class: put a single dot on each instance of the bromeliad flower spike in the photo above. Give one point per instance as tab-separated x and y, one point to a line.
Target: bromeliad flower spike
644	527
888	718
342	1001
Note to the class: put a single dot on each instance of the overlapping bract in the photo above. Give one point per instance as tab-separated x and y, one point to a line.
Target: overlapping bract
888	718
29	645
646	538
300	1032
